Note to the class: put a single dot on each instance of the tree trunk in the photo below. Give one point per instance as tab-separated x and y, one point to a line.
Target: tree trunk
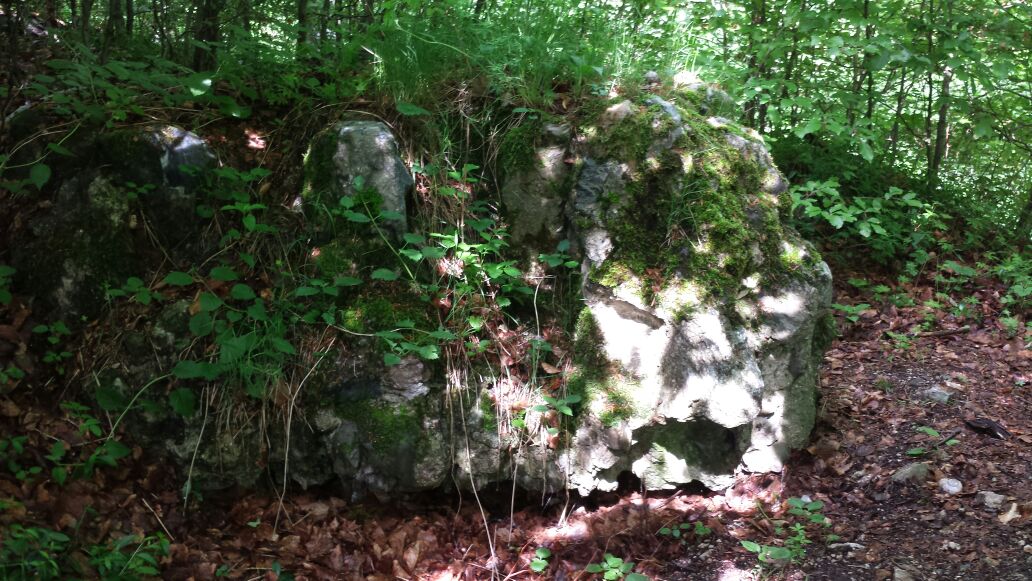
942	132
130	15
206	30
114	28
302	23
84	24
900	100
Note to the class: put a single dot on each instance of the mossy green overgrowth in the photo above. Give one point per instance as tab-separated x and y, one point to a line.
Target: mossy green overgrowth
488	414
692	212
516	151
600	387
389	305
384	427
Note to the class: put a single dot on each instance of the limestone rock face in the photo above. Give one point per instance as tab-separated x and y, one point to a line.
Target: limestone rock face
705	313
116	186
534	197
701	321
363	150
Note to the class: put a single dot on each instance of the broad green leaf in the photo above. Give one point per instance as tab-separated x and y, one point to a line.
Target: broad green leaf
195	370
223	273
384	274
242	292
209	302
751	546
59	149
198	84
201	324
391	359
282	345
410	110
39	175
183	401
177	278
110	399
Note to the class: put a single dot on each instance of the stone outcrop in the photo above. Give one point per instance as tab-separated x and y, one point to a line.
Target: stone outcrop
115	189
700	326
357	153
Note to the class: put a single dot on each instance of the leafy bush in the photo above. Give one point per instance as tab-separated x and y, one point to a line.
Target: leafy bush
888	226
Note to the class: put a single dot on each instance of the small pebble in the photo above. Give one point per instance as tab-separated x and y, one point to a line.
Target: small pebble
950	485
991	499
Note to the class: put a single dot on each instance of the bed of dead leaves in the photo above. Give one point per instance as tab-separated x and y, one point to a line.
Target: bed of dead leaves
876	413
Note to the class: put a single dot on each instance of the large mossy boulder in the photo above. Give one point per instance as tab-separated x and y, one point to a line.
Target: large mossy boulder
696	350
118	194
704	319
700	320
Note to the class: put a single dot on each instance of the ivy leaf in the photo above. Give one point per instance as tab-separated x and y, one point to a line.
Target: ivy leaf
410	110
347	281
391	359
305	291
183	401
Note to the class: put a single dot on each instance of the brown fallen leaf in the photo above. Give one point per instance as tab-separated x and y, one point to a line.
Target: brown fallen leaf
1010	515
550	369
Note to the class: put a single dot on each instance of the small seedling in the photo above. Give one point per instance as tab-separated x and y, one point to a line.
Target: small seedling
540	561
613	567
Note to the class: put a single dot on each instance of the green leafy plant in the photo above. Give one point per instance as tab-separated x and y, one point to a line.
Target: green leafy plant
540	561
851	312
900	341
613	567
55	335
130	557
806	513
32	553
683	530
135	287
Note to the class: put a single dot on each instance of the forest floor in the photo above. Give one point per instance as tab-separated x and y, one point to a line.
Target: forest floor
883	409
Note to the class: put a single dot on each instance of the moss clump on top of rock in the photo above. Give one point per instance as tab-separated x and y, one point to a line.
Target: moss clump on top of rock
693	211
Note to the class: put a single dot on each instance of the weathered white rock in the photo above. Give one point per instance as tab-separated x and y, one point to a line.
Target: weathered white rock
360	149
990	499
951	486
